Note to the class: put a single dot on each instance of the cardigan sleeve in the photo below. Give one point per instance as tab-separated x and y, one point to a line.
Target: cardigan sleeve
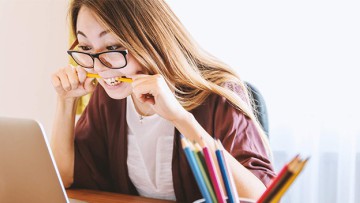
241	139
91	161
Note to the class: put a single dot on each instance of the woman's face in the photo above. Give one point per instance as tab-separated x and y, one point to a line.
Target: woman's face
94	38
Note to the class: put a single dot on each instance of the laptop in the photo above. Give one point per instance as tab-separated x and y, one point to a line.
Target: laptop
28	172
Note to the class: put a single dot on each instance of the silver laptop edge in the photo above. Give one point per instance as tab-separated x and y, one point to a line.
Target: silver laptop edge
53	160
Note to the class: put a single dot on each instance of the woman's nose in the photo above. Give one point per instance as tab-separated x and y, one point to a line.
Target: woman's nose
98	66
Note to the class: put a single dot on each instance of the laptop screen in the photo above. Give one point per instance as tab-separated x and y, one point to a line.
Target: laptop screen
27	169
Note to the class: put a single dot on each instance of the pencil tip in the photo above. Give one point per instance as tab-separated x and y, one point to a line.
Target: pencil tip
217	144
220	144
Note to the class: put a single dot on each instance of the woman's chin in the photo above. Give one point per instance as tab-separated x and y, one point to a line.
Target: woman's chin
118	96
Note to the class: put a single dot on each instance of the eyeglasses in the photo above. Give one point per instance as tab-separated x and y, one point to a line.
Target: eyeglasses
111	59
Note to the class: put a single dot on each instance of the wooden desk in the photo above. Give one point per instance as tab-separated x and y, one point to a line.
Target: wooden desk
93	196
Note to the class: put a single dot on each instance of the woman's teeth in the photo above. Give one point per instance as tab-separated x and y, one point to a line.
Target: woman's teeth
112	81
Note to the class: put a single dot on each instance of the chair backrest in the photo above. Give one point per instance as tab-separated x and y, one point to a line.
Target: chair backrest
260	107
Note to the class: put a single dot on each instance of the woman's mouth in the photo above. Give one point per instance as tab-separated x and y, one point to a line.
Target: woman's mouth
112	81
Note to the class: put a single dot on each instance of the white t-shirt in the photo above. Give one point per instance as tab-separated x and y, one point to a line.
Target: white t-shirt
150	150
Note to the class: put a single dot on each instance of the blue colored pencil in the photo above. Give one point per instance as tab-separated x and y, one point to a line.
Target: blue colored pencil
226	175
195	169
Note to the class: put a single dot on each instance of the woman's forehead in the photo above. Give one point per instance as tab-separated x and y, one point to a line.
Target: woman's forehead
89	25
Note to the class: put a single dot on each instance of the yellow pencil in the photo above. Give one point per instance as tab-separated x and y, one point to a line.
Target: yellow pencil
128	80
92	75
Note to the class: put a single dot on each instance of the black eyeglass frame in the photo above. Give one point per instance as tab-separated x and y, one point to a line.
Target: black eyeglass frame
94	56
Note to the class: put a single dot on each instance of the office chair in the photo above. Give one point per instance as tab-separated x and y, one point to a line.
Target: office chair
260	110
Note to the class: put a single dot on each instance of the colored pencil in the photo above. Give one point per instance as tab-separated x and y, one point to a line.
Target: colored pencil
226	175
200	154
296	171
220	196
202	165
195	169
271	189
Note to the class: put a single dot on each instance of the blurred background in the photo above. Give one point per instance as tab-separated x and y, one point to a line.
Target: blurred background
303	56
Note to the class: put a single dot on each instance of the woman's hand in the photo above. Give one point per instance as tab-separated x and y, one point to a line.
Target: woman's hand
71	82
154	90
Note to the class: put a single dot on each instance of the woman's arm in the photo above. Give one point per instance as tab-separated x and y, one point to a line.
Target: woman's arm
70	83
165	104
62	139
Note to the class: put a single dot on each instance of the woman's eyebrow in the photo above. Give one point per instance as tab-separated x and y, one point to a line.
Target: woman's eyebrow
80	33
100	35
104	33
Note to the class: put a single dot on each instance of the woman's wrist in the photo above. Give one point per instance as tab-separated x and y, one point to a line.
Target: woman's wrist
67	105
189	127
67	101
182	119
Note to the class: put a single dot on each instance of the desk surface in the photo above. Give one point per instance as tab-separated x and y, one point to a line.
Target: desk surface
92	196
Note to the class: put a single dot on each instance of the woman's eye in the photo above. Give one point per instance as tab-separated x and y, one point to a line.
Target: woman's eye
84	48
113	47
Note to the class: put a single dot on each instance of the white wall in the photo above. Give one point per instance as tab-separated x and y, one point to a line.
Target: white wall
33	40
302	55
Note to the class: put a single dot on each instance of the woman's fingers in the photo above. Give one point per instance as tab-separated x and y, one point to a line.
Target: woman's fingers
73	77
148	83
89	84
65	83
81	73
145	88
153	89
72	82
57	84
147	98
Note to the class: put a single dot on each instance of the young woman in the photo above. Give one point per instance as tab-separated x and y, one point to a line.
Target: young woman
128	138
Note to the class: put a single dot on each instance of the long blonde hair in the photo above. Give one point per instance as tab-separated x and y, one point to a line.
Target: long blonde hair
157	40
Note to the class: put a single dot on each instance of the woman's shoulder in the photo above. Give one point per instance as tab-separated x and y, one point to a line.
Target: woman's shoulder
216	100
239	89
216	103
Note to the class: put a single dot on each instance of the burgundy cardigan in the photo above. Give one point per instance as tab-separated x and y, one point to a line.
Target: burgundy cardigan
101	146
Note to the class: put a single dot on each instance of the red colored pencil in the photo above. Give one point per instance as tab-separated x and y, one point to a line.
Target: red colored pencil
220	196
